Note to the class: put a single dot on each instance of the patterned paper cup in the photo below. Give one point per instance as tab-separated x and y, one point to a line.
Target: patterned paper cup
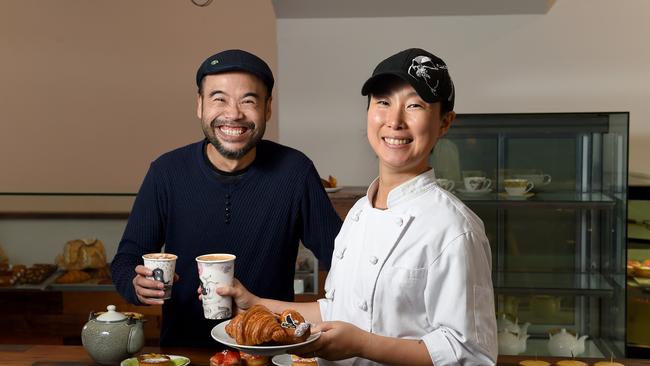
163	266
216	270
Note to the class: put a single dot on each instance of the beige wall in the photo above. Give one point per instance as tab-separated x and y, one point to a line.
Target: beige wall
584	55
92	91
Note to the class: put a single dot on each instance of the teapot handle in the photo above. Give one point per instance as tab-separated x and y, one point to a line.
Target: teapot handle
92	315
136	339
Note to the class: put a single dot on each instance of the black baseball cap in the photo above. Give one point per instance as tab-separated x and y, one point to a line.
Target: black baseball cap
424	71
236	60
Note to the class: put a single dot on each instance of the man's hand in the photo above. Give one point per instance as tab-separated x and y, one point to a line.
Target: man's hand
148	291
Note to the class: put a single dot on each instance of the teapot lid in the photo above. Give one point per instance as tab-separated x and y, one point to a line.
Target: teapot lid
111	315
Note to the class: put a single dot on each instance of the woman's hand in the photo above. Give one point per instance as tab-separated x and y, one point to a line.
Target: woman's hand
338	341
241	296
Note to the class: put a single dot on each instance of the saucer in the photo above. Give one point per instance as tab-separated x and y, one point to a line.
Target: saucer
516	198
473	193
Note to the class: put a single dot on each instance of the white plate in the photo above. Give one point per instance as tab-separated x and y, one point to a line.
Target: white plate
332	190
473	193
516	198
220	335
177	360
282	360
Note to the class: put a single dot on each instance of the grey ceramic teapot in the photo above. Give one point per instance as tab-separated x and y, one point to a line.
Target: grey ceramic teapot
110	337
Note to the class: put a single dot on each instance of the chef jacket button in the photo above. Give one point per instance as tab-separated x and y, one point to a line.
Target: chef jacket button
399	221
355	216
374	260
339	254
363	306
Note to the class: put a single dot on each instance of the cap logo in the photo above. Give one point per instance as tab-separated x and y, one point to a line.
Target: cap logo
420	68
214	62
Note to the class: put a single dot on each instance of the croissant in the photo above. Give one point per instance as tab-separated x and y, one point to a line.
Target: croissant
258	325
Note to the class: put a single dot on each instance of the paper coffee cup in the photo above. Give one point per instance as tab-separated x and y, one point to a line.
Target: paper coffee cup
163	266
216	270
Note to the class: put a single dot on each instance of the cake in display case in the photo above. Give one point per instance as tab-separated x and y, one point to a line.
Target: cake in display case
551	191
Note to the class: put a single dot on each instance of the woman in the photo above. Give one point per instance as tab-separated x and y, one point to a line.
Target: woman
410	282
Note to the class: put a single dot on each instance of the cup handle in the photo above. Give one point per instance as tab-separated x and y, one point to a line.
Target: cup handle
529	186
488	184
547	179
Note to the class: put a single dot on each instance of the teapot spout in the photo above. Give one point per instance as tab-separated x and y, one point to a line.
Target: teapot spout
581	341
524	328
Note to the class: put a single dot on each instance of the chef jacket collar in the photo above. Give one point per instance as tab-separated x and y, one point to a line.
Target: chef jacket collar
404	191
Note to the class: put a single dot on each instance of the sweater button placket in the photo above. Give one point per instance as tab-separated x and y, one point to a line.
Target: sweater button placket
227	209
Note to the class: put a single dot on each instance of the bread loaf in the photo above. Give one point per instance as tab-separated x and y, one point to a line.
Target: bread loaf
82	254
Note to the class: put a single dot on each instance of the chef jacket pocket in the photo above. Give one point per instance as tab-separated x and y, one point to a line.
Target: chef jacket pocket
408	277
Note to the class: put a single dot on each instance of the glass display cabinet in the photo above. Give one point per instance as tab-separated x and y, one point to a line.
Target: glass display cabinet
638	254
551	191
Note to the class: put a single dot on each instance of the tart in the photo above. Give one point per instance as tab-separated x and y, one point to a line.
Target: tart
154	359
300	361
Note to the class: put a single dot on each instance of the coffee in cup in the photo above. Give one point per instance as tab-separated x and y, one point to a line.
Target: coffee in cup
216	270
163	266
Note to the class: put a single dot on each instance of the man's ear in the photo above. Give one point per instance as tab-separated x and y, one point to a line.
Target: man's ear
199	106
269	104
446	122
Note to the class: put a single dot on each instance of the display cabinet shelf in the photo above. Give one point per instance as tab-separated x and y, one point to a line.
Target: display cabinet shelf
578	284
554	199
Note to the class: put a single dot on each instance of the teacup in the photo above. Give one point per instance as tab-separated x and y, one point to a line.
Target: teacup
537	179
446	184
476	184
517	187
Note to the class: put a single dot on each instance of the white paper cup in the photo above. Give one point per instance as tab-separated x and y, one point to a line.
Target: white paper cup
163	266
216	270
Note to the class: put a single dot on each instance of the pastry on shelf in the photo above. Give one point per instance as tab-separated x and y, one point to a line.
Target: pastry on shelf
73	276
330	182
571	363
37	273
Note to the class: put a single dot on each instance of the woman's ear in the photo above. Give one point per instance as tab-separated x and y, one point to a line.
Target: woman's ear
446	122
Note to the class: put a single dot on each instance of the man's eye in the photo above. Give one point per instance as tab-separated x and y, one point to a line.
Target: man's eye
382	102
414	105
248	101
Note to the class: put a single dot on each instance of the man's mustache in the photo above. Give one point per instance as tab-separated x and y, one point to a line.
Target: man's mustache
220	122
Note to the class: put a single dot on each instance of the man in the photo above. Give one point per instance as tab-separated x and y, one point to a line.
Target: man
410	282
230	193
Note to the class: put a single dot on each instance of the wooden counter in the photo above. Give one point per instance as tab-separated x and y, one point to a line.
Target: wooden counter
41	355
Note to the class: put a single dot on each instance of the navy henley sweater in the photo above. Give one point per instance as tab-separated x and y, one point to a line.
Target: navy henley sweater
260	218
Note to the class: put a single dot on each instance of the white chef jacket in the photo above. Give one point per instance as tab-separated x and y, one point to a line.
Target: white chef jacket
420	269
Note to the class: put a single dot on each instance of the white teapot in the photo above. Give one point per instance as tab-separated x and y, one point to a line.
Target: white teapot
505	324
511	343
565	344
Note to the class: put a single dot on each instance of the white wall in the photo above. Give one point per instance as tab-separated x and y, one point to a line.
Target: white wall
584	55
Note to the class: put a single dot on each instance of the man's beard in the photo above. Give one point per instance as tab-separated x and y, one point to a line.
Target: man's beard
257	132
